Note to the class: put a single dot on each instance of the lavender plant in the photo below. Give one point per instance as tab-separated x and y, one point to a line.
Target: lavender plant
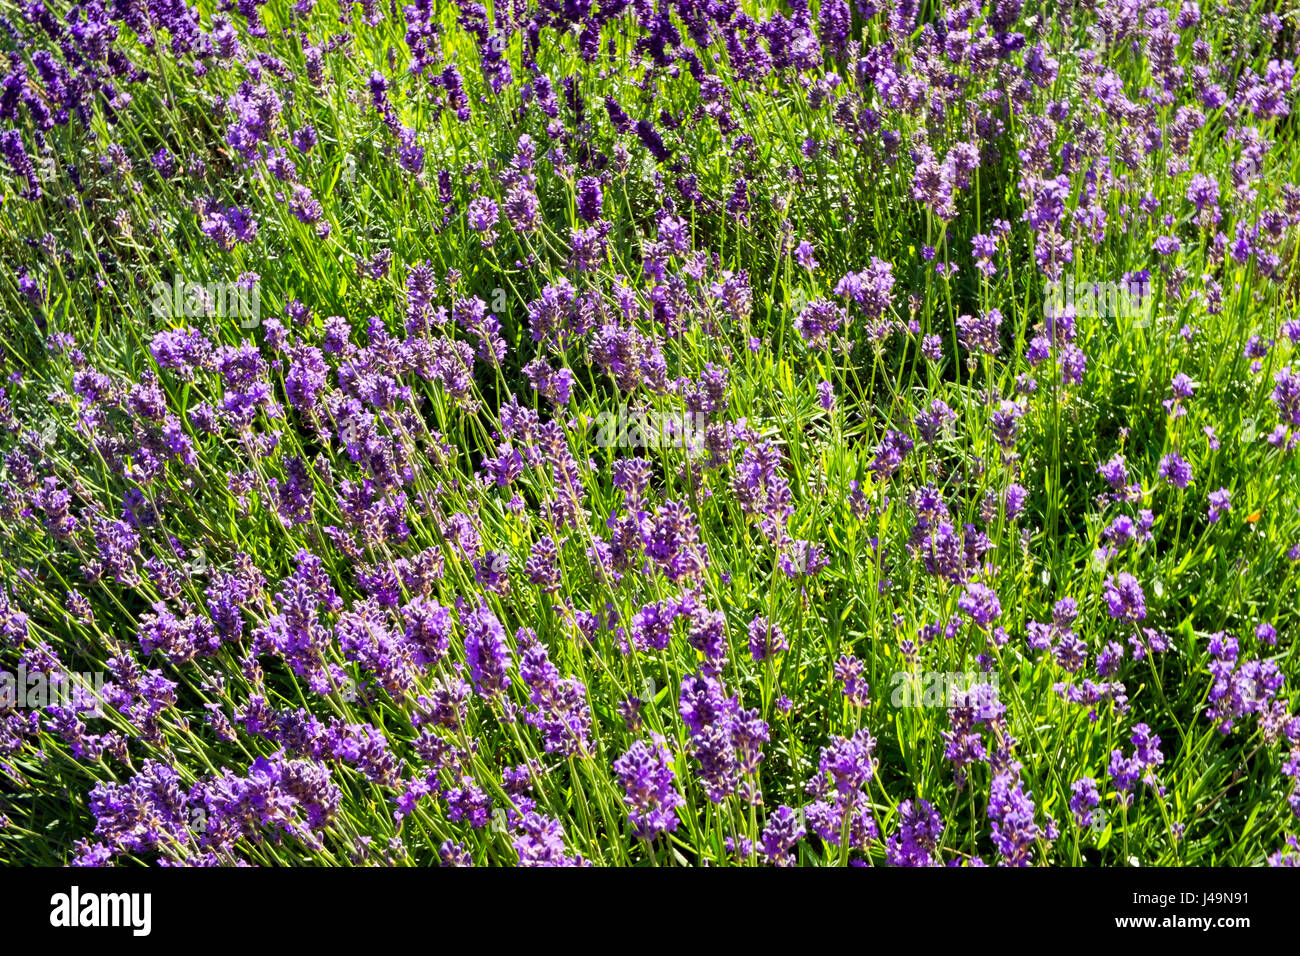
708	432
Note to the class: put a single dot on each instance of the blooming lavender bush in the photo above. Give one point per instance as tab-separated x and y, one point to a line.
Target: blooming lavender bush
363	577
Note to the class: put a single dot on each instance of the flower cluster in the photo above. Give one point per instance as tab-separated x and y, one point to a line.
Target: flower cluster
326	556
